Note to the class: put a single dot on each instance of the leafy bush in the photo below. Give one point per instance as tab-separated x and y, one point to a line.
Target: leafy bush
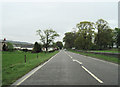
4	48
9	46
25	50
37	48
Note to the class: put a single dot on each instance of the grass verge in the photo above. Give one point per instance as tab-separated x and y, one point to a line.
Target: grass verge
109	51
99	56
14	66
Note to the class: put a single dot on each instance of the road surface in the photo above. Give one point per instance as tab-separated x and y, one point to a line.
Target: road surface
67	68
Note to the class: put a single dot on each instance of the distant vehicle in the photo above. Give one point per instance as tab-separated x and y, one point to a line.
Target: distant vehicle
73	48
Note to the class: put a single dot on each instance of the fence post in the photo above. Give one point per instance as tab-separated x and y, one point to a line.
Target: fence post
25	58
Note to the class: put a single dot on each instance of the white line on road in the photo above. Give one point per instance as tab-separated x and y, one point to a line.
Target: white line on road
96	59
77	61
88	71
100	81
33	71
69	55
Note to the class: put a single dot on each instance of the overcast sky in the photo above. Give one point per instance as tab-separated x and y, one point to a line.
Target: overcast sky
20	20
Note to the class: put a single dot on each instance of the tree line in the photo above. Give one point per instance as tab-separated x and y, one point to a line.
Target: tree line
93	36
47	38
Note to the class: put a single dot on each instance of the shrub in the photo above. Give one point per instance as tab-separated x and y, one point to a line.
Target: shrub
37	48
9	46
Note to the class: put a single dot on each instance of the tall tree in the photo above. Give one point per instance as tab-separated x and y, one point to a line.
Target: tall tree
104	35
69	39
59	44
47	37
117	36
85	34
80	43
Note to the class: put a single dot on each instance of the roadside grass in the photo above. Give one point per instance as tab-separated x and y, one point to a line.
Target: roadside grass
99	56
110	50
14	66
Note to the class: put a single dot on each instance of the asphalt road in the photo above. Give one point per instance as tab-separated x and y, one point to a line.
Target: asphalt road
67	68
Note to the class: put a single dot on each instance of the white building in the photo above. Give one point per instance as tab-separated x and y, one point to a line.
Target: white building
49	49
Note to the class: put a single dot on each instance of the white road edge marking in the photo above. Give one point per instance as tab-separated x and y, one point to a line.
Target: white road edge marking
35	70
100	81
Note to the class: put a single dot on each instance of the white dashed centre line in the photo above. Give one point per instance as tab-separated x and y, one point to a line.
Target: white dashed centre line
77	61
100	81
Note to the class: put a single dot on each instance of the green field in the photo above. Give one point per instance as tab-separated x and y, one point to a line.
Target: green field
110	51
14	66
99	56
